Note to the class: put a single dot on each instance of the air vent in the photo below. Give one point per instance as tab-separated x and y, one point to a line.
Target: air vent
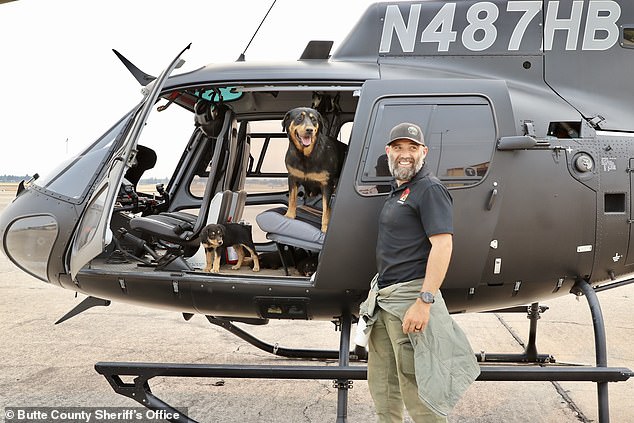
614	203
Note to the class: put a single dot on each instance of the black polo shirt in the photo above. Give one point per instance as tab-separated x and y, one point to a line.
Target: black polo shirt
412	213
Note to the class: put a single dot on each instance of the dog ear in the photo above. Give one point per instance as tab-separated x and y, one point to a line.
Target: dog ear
286	120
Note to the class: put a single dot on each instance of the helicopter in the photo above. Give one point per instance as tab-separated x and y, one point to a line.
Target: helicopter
526	125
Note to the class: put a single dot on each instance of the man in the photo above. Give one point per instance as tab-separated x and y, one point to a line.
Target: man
417	354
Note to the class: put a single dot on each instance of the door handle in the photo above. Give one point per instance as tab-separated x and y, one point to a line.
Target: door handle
492	198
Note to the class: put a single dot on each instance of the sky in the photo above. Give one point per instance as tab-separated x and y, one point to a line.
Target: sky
62	86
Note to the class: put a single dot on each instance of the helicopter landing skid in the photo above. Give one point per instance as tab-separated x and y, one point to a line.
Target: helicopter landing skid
343	374
139	390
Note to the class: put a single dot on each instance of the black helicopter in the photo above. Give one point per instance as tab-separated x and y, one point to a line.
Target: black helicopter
526	123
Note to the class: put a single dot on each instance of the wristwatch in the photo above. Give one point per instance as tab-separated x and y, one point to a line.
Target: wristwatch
427	297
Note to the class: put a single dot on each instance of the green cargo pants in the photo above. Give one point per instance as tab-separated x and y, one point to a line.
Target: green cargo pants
391	377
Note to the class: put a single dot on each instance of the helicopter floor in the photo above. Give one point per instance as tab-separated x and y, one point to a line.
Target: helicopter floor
132	266
244	270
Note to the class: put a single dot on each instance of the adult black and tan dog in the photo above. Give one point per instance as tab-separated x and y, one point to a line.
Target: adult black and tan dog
313	159
214	236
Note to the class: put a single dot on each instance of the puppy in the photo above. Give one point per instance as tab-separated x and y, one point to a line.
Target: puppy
270	260
313	159
307	266
213	237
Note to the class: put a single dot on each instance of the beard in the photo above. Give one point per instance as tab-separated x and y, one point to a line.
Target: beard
404	173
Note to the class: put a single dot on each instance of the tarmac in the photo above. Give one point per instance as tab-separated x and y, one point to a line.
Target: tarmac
47	365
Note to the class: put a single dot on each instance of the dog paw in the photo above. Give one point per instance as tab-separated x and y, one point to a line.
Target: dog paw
215	271
235	267
256	269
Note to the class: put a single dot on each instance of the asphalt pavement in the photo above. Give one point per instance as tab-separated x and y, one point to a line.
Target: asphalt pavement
47	365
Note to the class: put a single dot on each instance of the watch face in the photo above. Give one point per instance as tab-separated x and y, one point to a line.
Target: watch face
427	297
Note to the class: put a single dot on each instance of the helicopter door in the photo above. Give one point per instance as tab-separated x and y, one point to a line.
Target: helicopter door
93	232
460	130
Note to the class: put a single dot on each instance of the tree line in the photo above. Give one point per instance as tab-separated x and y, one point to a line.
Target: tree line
14	178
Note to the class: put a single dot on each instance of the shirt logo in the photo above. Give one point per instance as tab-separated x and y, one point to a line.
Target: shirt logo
403	196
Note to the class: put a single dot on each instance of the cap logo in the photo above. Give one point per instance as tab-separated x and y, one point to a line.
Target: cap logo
413	131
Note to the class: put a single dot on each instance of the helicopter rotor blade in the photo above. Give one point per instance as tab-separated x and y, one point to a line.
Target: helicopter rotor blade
138	74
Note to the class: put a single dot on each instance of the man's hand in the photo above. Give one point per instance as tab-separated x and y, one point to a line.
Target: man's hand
416	317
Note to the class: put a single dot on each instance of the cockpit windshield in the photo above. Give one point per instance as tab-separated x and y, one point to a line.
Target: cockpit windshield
73	177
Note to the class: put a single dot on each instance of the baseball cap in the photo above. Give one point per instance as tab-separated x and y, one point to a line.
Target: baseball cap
408	131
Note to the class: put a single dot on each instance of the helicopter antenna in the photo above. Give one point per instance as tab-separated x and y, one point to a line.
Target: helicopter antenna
241	58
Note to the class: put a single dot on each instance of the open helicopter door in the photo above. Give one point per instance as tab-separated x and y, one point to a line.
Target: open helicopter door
93	232
462	121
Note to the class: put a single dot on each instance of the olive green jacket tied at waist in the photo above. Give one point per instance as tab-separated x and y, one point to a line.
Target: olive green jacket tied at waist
444	362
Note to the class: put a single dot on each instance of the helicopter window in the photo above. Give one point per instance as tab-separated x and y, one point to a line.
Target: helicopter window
200	180
198	183
465	136
344	132
564	129
627	40
267	171
69	178
173	123
460	134
201	173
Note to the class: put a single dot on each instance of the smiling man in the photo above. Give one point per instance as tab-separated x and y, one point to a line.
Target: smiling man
405	155
417	354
